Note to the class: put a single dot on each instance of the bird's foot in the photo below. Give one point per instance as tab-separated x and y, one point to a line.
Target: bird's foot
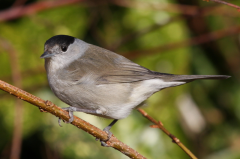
70	111
103	142
107	130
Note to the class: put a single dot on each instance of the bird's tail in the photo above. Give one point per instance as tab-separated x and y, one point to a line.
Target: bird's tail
189	78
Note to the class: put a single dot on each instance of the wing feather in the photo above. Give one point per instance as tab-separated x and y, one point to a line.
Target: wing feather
100	66
105	67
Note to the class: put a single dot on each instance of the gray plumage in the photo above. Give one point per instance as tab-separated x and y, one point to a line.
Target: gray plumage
101	82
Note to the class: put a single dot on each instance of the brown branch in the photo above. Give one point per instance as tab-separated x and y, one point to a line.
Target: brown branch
19	11
30	88
174	139
175	8
193	41
227	3
18	114
196	11
17	131
16	12
58	112
183	9
19	3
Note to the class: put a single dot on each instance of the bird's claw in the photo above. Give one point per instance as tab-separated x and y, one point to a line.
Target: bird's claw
70	111
59	122
103	142
108	132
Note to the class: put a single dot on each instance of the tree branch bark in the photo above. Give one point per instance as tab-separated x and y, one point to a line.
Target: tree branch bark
175	140
226	3
204	38
58	112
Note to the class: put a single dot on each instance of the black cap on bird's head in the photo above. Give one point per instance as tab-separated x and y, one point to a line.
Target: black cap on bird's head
63	41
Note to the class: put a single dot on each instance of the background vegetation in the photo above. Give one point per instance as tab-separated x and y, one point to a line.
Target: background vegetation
171	36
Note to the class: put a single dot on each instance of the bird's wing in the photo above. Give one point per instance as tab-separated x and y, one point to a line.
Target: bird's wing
100	66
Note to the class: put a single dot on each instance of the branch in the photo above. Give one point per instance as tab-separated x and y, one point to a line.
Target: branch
174	8
16	12
174	139
18	113
223	2
193	41
183	9
58	112
18	3
19	11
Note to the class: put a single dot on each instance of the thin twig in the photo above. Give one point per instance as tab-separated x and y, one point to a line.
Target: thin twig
227	3
58	112
183	9
18	114
18	3
19	11
174	139
17	131
193	41
175	8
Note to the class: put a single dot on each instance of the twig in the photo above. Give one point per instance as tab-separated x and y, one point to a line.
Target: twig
193	41
58	112
183	9
18	114
18	3
16	12
17	131
19	11
175	8
30	88
227	3
174	139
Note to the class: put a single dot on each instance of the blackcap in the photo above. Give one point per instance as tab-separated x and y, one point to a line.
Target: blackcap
97	81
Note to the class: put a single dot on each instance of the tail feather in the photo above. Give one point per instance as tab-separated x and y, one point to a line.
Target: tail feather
189	78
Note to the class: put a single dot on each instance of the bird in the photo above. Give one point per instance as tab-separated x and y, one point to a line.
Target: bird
97	81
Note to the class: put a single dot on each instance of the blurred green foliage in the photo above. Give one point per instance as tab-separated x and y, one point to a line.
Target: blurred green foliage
103	25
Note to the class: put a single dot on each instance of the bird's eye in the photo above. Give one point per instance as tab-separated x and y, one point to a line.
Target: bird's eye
64	48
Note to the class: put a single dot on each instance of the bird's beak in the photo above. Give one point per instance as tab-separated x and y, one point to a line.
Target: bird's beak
47	54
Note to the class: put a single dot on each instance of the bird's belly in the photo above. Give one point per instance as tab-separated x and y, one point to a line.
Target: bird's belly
112	98
118	100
